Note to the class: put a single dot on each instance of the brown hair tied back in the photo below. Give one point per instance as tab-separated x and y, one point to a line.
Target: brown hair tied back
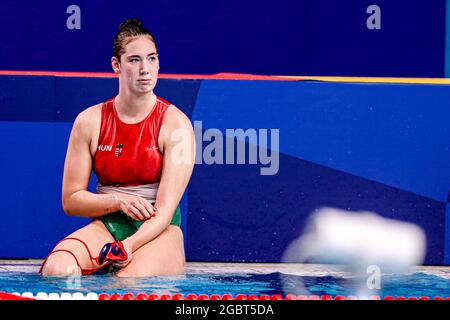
128	30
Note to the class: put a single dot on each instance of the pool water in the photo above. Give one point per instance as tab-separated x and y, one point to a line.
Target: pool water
233	279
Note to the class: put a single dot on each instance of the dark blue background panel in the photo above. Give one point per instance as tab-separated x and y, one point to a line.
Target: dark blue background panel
283	37
27	98
181	93
32	164
54	98
447	234
237	215
76	94
73	95
390	133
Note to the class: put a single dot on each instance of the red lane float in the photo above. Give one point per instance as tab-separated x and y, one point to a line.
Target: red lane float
9	296
192	296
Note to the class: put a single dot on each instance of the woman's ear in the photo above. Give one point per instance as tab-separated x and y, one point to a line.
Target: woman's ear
115	64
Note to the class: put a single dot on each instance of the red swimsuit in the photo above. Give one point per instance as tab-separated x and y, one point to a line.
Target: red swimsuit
128	154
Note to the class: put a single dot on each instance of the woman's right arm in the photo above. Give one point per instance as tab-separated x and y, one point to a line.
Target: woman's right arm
76	200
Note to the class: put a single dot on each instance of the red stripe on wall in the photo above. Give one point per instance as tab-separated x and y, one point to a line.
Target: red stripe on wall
218	76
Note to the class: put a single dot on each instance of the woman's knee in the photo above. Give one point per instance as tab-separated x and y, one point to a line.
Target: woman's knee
60	265
76	250
175	232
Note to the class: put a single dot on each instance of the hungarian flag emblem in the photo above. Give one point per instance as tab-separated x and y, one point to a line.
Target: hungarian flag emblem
118	151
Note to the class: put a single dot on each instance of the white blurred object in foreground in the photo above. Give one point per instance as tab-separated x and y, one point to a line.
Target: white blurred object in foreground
359	239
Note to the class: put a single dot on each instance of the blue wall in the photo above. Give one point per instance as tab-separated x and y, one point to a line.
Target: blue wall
377	147
355	146
282	37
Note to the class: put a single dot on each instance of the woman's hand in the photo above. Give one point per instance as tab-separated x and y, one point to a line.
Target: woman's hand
137	208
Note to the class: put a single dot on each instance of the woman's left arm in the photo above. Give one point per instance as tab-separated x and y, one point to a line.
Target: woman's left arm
177	140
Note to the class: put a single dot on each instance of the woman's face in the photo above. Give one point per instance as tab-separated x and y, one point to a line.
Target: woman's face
139	65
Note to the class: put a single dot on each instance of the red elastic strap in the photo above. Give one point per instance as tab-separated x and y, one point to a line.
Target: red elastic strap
84	272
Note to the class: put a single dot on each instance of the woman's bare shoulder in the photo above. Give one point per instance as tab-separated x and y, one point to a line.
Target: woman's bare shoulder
88	119
176	118
90	113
